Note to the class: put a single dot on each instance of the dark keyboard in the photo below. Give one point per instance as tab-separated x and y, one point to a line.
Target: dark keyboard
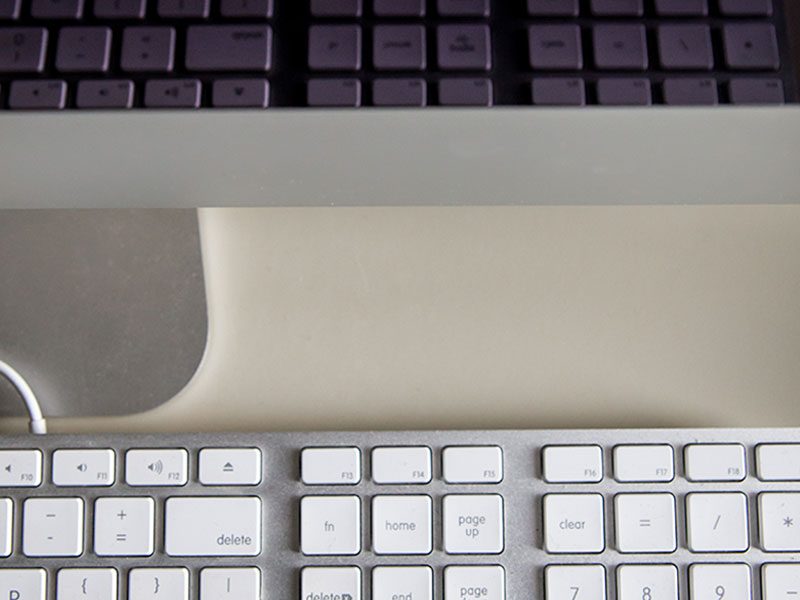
122	54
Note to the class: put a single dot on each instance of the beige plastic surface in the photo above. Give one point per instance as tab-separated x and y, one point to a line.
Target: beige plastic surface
509	156
493	317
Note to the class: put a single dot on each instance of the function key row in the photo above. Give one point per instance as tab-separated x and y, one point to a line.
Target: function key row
663	8
635	463
656	463
402	465
136	9
143	467
201	9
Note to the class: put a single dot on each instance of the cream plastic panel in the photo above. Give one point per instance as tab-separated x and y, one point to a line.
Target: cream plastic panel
492	317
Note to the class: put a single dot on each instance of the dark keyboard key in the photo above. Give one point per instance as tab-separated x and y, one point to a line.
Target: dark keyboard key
554	8
559	91
685	47
399	8
399	92
334	47
617	8
464	47
110	93
257	9
682	8
620	47
83	49
229	48
183	9
344	93
746	8
336	8
464	8
751	47
756	91
624	92
555	47
41	94
243	93
148	49
9	9
22	50
399	47
465	92
690	92
120	9
57	9
172	93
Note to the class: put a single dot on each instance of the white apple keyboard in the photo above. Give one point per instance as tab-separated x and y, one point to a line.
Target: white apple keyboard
660	514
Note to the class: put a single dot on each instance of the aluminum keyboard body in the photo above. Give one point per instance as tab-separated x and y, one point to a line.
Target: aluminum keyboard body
522	489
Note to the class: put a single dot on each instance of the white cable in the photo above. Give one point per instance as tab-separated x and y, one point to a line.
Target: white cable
37	423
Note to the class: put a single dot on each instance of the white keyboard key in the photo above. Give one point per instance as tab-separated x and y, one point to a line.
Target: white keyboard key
331	466
330	525
230	466
83	468
401	465
779	522
720	582
158	467
158	584
575	582
473	464
648	582
573	523
224	526
781	581
717	522
124	526
402	525
6	526
776	462
86	584
330	582
401	583
644	463
475	583
20	468
645	522
715	462
473	524
573	464
23	584
52	527
230	584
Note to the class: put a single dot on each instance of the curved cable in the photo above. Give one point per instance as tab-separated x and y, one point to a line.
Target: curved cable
38	425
